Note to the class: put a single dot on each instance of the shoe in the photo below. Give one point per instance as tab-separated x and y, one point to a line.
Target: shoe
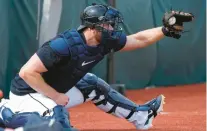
155	107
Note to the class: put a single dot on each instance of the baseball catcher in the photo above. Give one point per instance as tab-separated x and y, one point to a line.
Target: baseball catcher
57	76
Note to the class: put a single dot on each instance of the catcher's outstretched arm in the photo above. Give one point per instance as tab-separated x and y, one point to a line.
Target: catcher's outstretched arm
143	38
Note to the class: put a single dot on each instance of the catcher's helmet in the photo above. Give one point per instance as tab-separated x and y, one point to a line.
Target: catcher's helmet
96	14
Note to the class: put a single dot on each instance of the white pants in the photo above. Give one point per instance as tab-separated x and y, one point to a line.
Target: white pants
36	102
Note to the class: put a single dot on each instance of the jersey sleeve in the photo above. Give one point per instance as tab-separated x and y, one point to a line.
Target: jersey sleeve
54	53
121	43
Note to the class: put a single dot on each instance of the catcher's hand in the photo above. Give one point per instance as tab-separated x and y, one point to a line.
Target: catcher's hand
173	23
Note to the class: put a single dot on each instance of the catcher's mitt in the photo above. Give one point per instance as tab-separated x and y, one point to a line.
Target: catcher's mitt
173	23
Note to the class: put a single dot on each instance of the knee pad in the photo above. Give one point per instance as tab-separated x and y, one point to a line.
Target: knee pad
87	86
15	120
6	115
106	97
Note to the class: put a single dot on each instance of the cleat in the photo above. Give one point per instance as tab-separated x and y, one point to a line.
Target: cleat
155	107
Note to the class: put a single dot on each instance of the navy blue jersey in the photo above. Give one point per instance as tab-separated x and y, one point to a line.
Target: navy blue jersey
67	58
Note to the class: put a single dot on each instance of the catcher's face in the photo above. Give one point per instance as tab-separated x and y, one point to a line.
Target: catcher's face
98	33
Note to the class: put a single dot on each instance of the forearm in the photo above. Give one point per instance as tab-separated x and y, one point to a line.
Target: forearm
150	36
35	81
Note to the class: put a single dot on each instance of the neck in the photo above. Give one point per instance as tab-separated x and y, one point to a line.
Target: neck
90	39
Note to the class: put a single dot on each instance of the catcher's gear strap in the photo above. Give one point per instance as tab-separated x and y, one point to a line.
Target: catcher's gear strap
173	23
106	97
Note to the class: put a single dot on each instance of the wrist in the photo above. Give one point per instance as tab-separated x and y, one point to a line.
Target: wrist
169	33
165	31
53	95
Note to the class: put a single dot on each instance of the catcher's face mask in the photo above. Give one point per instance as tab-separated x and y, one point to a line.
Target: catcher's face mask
110	26
105	19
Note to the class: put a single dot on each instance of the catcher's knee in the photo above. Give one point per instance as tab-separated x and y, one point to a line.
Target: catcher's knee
5	116
92	87
103	96
87	86
15	120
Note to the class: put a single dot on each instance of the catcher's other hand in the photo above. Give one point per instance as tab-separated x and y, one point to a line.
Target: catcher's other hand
173	22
